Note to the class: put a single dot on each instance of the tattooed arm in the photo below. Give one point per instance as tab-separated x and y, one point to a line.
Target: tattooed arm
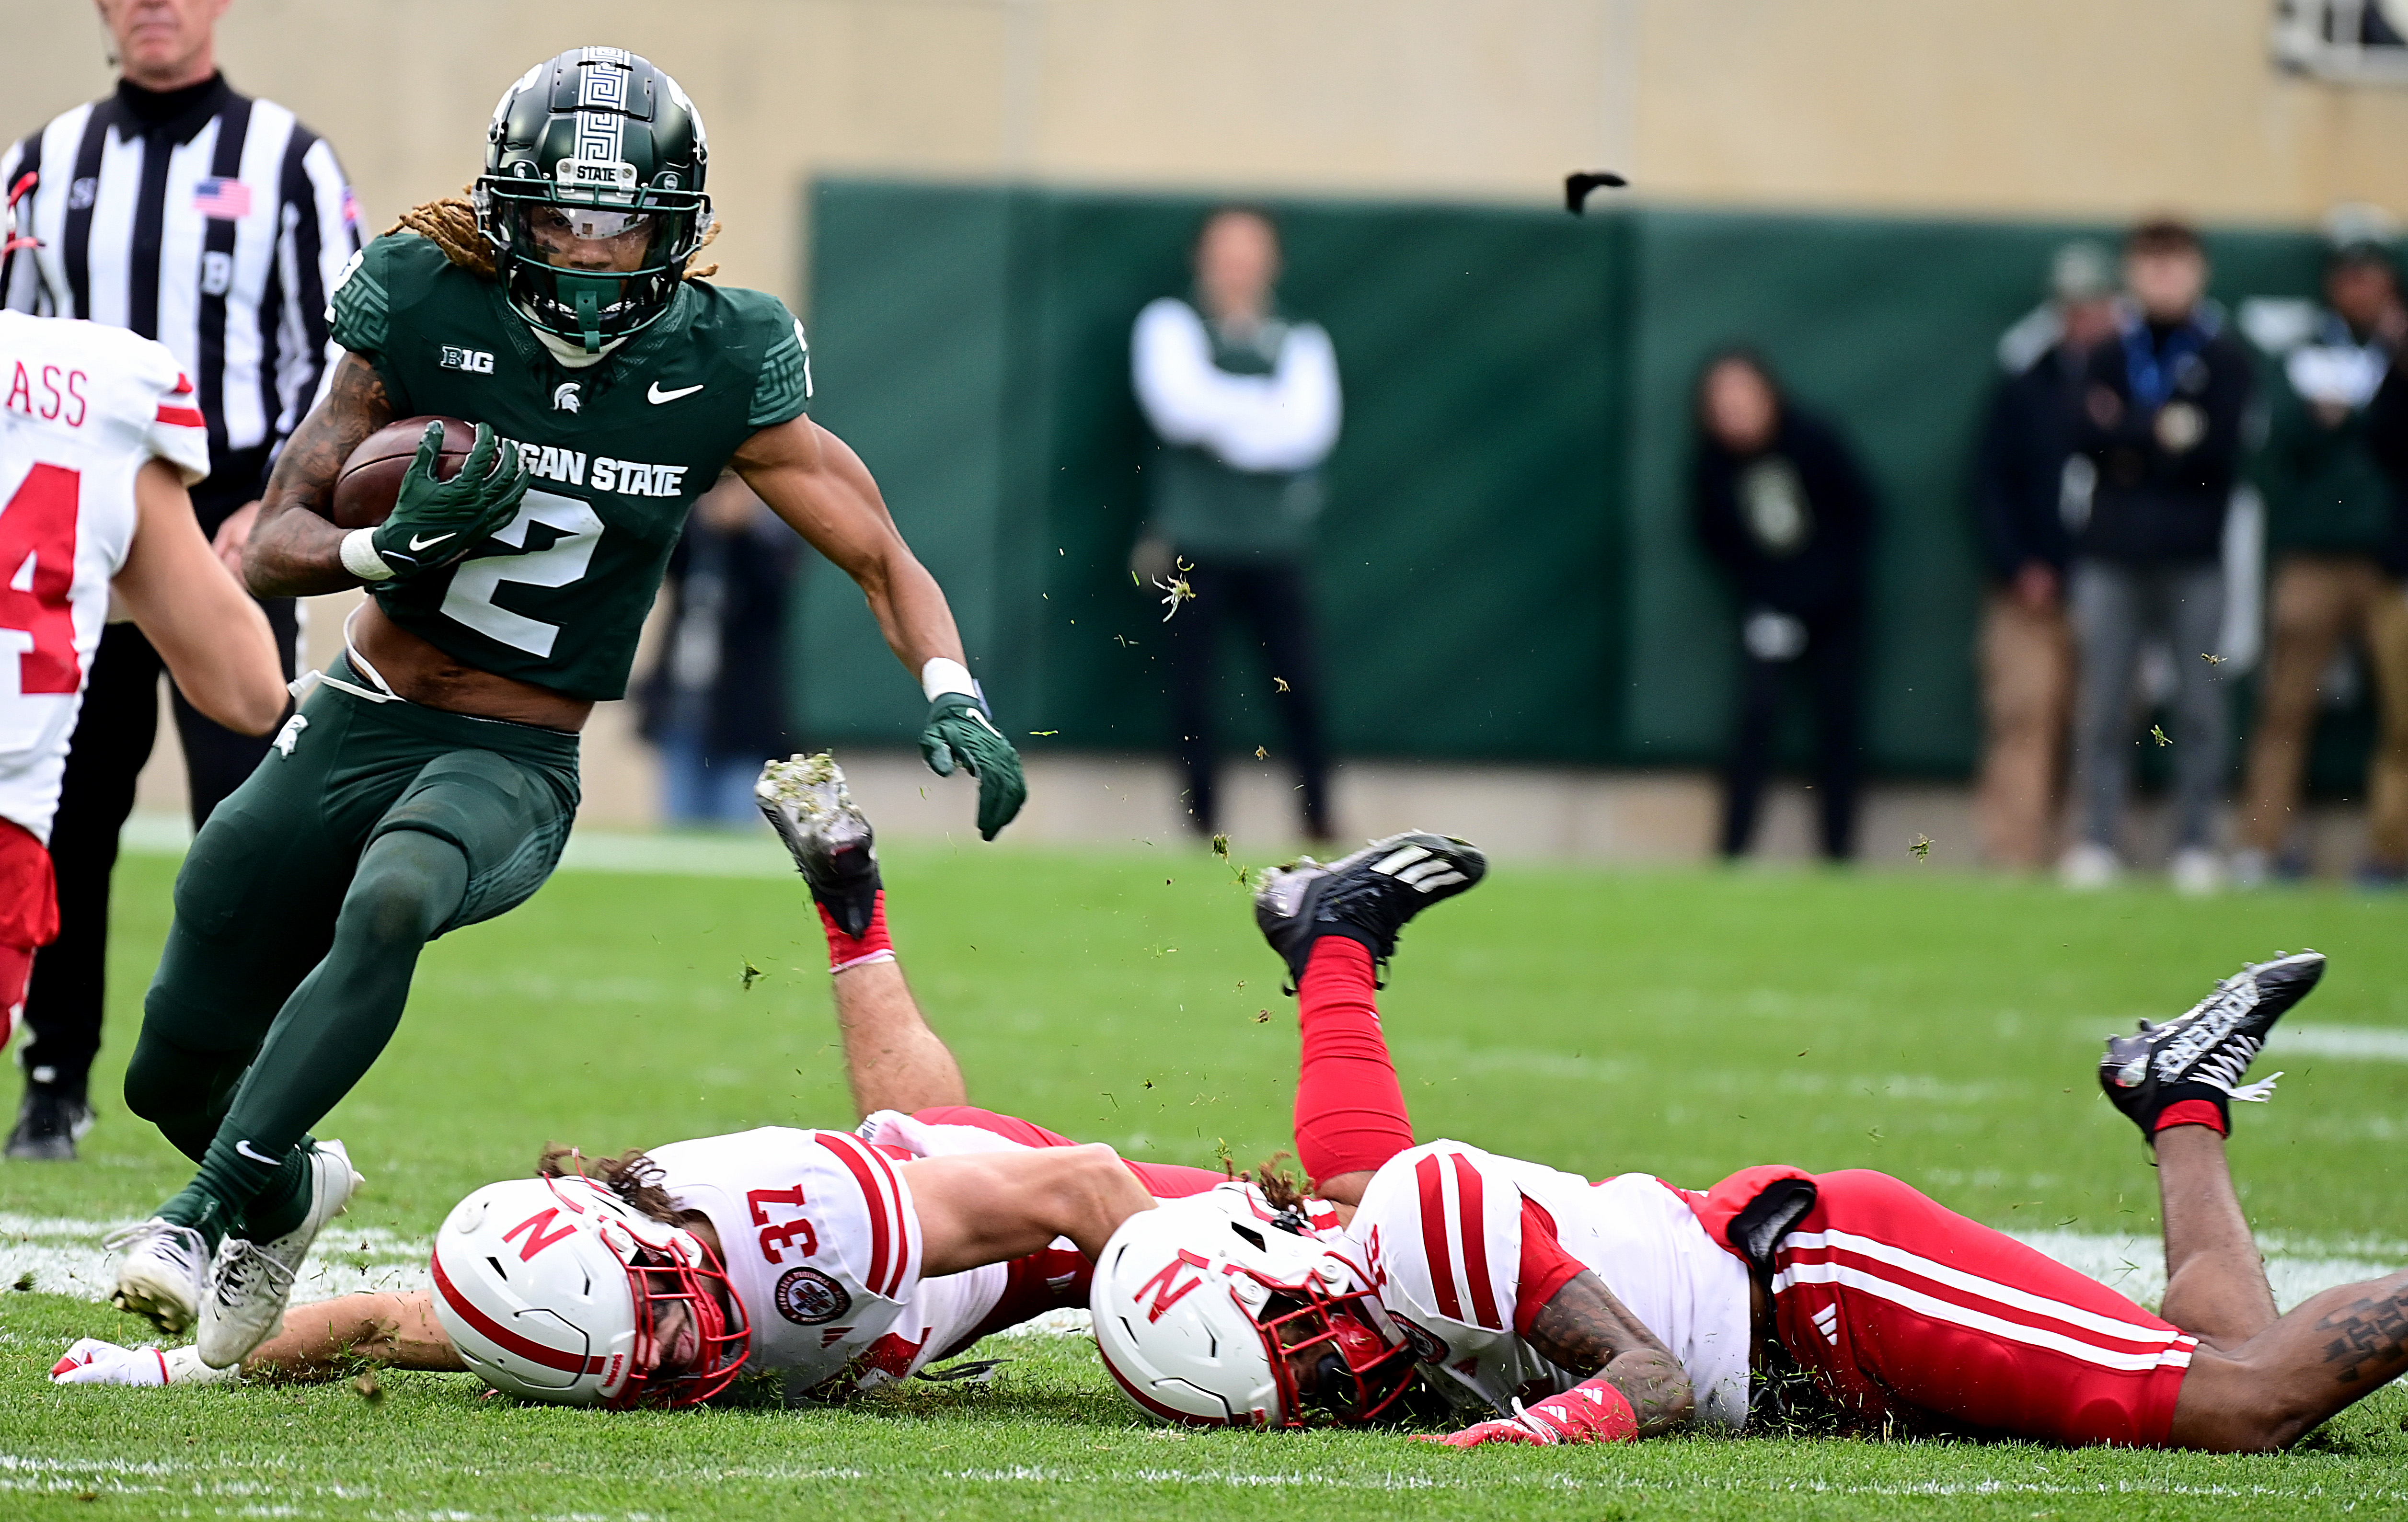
1585	1331
296	550
1634	1388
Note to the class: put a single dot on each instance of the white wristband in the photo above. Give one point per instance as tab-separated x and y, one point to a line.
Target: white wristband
183	1366
361	559
941	675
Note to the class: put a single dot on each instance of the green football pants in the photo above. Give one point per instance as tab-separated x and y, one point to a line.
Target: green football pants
369	829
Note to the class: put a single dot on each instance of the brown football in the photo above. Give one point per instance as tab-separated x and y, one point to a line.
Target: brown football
371	478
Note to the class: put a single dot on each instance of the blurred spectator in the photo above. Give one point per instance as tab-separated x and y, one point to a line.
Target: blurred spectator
2026	478
2335	529
1245	401
1784	508
2160	422
715	701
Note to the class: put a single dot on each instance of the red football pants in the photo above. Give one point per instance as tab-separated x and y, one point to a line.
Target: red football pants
29	916
1901	1308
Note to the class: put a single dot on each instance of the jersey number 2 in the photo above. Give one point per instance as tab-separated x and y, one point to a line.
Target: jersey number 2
470	600
37	549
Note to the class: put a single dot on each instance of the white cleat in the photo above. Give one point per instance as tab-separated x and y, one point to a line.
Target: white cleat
251	1281
2088	866
164	1274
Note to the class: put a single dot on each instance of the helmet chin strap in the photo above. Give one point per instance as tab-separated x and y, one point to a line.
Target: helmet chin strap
585	294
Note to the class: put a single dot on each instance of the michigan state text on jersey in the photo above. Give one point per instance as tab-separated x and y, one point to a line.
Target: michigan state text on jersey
429	780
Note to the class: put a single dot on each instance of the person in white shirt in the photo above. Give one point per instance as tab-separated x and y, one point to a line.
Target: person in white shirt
1244	403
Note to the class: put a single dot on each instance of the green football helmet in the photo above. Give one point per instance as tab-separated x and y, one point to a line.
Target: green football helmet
595	146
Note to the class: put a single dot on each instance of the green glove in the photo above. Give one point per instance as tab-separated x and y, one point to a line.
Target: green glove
435	522
959	730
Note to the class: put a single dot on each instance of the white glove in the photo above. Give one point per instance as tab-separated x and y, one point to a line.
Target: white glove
92	1362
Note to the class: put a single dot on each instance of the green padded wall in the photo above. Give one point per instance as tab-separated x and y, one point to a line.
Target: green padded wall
1505	570
973	345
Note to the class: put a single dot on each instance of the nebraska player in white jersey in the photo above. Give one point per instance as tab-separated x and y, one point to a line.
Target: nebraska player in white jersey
837	1260
1588	1313
99	436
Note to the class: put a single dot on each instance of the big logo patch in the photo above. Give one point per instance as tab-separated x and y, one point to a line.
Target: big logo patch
808	1298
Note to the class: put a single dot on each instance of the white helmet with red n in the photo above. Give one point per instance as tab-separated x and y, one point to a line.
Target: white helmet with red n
556	1290
1217	1309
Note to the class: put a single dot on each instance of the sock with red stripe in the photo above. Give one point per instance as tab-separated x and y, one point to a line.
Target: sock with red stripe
2194	1105
1350	1110
871	944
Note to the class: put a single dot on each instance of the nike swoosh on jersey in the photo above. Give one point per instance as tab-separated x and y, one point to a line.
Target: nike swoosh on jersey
656	396
416	544
244	1148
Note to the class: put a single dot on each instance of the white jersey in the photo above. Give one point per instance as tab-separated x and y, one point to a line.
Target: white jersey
1439	1228
83	408
823	1248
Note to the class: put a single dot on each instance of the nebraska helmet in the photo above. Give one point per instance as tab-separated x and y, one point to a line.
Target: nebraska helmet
1214	1310
556	1290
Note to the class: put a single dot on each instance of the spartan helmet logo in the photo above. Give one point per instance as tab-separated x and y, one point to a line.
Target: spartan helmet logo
565	398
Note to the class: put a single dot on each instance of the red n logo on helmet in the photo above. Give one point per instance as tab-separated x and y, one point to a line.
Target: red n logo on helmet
1164	1294
538	1239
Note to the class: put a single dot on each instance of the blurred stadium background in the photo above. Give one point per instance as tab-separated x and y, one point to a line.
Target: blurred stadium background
969	200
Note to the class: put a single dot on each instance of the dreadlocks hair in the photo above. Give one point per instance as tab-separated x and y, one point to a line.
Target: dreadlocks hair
1282	1189
451	224
632	1176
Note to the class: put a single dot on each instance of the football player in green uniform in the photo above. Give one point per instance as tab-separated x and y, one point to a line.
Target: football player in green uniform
429	780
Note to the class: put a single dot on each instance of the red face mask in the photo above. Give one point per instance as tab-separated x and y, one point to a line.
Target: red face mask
691	1335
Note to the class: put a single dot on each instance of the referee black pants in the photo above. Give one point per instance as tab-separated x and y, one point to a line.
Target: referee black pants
1832	672
112	741
1269	596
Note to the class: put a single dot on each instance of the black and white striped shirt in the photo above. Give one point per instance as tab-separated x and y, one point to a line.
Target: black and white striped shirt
210	221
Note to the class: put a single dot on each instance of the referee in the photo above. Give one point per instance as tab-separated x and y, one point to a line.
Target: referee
216	224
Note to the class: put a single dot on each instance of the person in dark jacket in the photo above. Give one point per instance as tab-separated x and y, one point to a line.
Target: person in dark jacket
2026	478
1783	507
2334	524
715	702
2160	422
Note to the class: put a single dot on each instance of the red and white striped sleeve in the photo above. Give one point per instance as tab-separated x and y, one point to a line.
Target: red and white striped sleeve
1442	1224
176	431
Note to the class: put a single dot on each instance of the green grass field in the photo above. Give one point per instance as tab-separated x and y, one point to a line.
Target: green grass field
1942	1028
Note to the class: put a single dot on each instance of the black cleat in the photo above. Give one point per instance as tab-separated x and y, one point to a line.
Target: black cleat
1367	897
2204	1053
49	1124
807	803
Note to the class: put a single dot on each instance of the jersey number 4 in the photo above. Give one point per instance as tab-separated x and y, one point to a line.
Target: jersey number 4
470	600
37	549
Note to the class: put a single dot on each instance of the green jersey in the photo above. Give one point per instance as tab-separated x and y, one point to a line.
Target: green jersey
620	450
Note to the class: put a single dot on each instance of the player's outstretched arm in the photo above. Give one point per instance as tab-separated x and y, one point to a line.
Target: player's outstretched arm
397	1331
214	639
321	1342
295	550
815	482
990	1207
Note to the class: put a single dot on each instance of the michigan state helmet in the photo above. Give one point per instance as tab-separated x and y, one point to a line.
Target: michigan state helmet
593	144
